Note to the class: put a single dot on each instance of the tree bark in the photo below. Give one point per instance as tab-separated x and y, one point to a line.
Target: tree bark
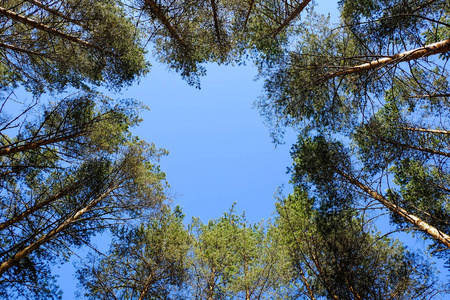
402	145
154	7
292	16
22	19
426	130
6	265
247	16
426	228
40	205
216	21
425	51
7	150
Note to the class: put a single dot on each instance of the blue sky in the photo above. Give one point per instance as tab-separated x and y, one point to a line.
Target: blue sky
220	150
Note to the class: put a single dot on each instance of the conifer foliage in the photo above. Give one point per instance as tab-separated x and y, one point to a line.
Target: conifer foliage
369	98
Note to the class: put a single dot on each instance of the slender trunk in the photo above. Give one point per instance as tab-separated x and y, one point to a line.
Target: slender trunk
147	283
292	16
7	150
216	21
6	265
431	95
38	206
321	272
56	13
426	228
211	284
247	16
425	51
22	19
402	145
426	130
154	7
299	267
22	50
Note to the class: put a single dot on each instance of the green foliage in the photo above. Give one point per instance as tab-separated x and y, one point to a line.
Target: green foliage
148	261
104	45
71	173
369	130
233	259
339	256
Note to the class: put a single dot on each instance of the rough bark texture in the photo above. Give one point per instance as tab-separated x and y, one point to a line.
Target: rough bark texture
426	228
22	19
38	206
154	7
291	17
7	150
425	51
9	263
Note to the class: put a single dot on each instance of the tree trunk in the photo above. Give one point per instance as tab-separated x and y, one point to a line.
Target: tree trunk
154	7
22	19
6	265
288	20
402	145
40	205
426	130
425	51
247	16
426	228
216	21
7	150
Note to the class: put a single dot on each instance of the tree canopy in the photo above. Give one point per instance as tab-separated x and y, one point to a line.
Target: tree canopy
368	98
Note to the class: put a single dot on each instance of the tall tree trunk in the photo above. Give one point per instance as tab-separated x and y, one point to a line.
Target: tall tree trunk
249	11
406	146
216	21
425	51
7	150
299	267
6	265
154	7
426	130
22	19
292	16
39	205
421	225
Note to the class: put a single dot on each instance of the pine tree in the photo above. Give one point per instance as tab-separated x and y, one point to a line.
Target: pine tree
379	83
